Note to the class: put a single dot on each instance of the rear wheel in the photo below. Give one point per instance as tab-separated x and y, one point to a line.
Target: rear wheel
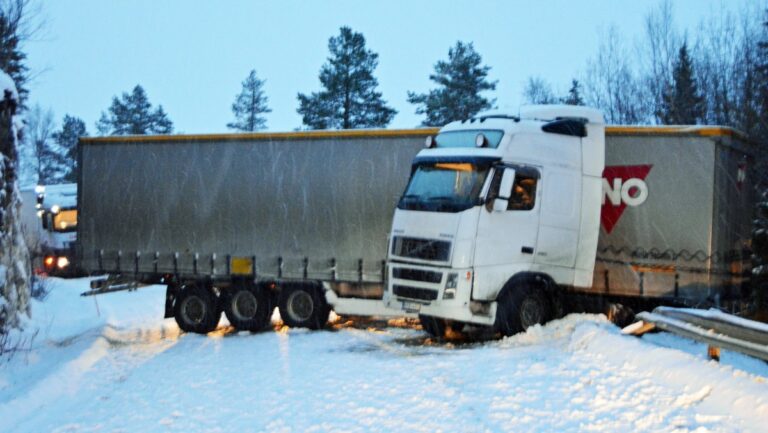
520	308
304	306
433	326
196	309
248	307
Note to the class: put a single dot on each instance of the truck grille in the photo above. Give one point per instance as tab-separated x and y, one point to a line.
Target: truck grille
417	275
415	293
425	249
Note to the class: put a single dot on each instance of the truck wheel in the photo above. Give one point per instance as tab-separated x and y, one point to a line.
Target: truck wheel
433	326
248	307
303	306
196	309
520	308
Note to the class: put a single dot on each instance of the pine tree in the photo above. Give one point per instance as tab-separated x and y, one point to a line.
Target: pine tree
132	114
682	104
12	59
48	160
349	99
460	81
72	129
249	104
574	94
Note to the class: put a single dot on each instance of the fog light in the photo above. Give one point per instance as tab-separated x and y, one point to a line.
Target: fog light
449	293
62	262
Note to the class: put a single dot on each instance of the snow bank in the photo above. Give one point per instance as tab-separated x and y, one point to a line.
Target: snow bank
112	364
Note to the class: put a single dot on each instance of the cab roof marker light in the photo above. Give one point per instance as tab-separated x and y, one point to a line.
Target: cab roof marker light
480	140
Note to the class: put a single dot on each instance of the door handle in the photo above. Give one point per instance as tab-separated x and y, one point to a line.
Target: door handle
527	250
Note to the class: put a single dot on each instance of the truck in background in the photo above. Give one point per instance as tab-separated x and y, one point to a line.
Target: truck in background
49	219
506	216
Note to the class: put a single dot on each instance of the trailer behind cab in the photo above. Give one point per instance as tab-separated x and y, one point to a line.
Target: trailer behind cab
245	222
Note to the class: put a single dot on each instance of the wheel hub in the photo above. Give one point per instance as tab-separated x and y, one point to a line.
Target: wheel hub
244	305
193	310
530	313
300	306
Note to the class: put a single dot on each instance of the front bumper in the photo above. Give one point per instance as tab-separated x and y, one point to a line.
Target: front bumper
423	289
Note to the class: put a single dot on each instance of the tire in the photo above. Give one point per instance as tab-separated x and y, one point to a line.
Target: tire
433	326
303	306
619	314
519	308
196	309
248	307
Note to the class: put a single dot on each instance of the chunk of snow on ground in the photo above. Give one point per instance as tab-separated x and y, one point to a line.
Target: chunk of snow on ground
689	399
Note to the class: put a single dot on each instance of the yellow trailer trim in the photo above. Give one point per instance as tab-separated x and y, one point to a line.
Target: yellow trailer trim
703	131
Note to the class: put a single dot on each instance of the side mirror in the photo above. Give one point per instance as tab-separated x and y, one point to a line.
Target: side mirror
500	197
507	180
500	204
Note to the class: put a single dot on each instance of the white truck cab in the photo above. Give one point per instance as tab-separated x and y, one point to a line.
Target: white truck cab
57	211
499	211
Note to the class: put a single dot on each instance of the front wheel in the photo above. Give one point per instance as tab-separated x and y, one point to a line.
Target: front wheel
520	308
248	307
303	306
433	326
196	309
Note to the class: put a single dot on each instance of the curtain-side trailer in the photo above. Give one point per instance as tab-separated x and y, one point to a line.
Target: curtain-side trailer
245	222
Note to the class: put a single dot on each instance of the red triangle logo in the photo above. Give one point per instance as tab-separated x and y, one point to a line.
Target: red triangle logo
613	203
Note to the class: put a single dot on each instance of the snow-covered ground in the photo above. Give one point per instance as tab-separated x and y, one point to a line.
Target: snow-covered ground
112	364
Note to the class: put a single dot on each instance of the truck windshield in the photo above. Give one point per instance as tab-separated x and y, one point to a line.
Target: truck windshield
65	221
444	187
466	138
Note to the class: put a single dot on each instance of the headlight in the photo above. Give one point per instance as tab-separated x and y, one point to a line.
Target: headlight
62	262
450	286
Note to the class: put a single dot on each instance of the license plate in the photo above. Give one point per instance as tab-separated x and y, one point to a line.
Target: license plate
411	307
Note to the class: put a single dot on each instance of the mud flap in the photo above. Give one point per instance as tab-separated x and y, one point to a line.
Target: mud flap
170	298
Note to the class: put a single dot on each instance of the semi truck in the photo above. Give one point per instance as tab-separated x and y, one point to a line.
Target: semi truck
506	217
49	215
351	220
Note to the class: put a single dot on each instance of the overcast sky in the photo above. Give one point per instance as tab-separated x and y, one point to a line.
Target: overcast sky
191	56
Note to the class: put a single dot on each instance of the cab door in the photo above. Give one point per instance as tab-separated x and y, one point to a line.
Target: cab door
507	228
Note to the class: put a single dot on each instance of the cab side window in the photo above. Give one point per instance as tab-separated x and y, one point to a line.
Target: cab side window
523	196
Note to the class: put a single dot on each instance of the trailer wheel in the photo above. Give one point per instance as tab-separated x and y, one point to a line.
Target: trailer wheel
248	307
433	326
520	308
303	306
196	309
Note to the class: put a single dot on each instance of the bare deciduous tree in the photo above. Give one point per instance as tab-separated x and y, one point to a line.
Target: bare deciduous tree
538	91
613	85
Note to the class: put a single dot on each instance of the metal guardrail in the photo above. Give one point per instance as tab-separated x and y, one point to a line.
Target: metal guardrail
714	328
